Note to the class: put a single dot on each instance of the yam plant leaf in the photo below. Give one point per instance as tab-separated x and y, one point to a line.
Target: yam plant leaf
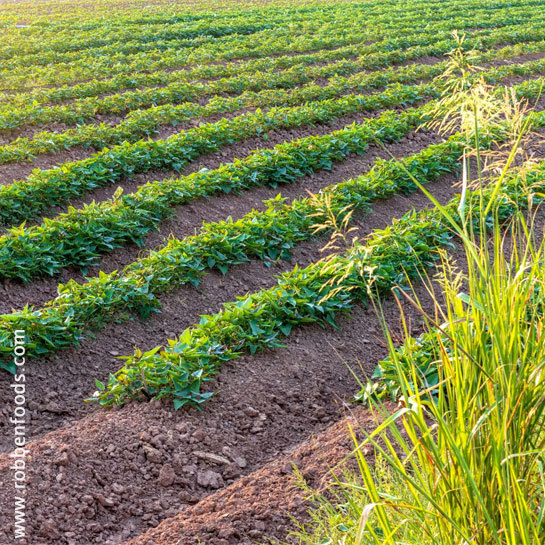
254	326
286	329
179	403
9	366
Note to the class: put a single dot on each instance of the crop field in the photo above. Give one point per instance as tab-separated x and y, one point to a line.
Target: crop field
199	204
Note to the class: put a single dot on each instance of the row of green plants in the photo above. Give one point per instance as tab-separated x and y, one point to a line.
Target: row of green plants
141	123
25	199
59	39
121	17
231	47
315	294
118	15
150	61
117	82
81	307
42	189
129	48
81	18
79	237
57	45
268	235
130	40
127	41
176	87
122	81
176	92
424	351
125	14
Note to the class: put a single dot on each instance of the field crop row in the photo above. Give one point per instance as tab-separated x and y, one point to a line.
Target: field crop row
80	236
82	110
58	40
371	60
60	50
83	306
145	122
43	189
151	61
141	123
316	122
61	38
90	305
315	294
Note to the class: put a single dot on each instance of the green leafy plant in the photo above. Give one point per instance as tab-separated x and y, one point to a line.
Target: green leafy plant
79	237
278	92
311	295
268	235
49	67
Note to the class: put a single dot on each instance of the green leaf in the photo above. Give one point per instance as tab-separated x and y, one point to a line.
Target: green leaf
465	298
254	326
179	403
286	329
100	385
9	366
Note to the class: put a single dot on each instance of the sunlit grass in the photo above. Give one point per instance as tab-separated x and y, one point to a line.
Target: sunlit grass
461	463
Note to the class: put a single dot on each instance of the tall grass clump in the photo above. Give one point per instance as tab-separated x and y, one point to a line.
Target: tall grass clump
462	462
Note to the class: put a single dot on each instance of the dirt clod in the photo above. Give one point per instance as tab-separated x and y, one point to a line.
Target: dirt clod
210	479
166	476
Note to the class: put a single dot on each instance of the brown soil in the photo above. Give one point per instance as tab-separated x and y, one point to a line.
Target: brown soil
11	172
275	398
181	309
255	506
260	506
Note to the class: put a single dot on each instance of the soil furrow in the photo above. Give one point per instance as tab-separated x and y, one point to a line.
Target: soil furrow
114	473
260	505
61	382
